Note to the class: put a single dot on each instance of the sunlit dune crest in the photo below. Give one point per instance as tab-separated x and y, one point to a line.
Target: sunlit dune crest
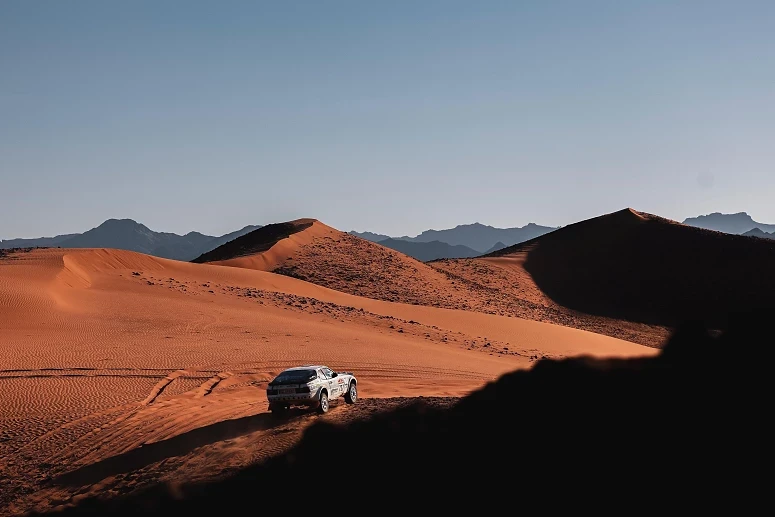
115	361
106	350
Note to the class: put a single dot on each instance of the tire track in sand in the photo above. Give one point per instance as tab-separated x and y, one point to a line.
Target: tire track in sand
127	409
159	388
207	387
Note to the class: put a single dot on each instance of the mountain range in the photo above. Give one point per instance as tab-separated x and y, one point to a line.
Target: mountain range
474	238
756	232
127	234
462	241
737	224
432	250
607	274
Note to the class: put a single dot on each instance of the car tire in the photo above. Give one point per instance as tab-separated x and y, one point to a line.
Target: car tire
277	409
352	394
323	403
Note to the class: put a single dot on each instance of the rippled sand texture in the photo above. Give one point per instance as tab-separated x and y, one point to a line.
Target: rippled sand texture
104	350
502	286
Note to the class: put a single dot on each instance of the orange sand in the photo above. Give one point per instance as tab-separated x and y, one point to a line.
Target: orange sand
104	350
325	256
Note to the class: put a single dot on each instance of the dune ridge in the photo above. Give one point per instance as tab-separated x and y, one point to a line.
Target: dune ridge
627	274
185	349
180	346
574	433
255	242
325	256
643	268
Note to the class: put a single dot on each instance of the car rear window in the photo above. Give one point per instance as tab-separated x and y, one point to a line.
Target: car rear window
295	377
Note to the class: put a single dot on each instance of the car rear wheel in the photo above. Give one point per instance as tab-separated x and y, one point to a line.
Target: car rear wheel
323	404
352	394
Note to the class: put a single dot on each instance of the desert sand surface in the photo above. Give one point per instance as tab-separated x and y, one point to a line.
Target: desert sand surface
313	251
628	275
104	352
328	257
642	268
565	433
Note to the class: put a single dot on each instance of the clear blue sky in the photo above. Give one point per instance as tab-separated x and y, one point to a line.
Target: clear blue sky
391	116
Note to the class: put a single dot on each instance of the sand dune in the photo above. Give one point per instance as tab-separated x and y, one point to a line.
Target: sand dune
104	350
504	282
628	274
567	434
310	250
265	248
325	256
120	369
643	268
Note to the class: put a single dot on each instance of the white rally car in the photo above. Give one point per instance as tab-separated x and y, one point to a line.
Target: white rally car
313	386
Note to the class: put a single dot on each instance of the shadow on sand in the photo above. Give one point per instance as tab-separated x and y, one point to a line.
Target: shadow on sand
179	445
684	430
644	268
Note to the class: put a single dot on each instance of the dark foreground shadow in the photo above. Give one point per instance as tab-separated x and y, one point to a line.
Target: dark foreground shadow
684	431
176	446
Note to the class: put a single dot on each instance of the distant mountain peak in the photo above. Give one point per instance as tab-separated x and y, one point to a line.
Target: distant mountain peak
496	247
476	236
125	222
128	234
737	215
371	236
757	232
733	213
737	223
427	251
121	224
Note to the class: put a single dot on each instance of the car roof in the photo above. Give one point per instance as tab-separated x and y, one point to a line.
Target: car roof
308	367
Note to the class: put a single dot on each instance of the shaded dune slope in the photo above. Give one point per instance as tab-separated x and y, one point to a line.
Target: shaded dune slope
327	257
582	432
627	275
105	352
643	268
311	251
254	242
504	285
